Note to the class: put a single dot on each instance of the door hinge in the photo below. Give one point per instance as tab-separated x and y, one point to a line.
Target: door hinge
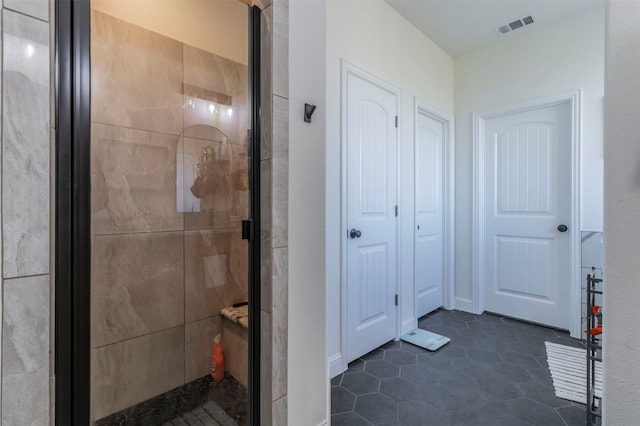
396	121
247	229
396	210
396	300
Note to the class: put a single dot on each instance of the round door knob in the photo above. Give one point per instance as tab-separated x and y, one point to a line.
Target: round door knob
562	228
354	233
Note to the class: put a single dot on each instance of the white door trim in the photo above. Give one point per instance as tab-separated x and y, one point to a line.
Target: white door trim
346	69
448	172
479	118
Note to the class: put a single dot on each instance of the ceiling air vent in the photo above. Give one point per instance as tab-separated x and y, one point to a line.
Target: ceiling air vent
512	26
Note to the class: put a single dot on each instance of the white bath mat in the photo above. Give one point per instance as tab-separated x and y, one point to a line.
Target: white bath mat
568	367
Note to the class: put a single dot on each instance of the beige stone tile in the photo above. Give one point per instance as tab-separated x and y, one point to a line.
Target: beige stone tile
266	226
36	8
134	181
212	80
280	172
266	351
215	178
280	411
235	346
266	83
280	318
136	77
216	272
129	372
25	351
280	55
25	400
199	337
25	145
25	325
137	285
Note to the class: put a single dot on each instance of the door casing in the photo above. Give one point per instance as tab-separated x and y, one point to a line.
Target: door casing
478	258
346	69
448	188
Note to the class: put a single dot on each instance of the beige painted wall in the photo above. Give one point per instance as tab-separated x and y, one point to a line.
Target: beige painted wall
621	382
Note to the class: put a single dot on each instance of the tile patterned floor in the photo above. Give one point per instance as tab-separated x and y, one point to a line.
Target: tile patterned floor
493	372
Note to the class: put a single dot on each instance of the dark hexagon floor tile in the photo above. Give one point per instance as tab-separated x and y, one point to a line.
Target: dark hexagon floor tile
406	346
519	359
360	383
499	387
391	345
540	374
420	413
487	414
434	362
462	342
399	389
400	357
510	421
534	412
446	397
374	354
543	393
376	408
342	400
528	348
471	367
492	343
451	352
453	374
573	415
355	366
483	356
417	374
511	373
348	419
337	380
381	368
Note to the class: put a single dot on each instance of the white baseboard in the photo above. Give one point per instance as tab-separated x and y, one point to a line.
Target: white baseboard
463	304
408	326
335	365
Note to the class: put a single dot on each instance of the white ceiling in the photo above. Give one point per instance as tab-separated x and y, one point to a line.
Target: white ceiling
464	26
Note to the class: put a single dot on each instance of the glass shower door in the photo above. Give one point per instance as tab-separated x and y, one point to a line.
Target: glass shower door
170	163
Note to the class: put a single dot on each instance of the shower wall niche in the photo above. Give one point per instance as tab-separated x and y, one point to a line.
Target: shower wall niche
169	189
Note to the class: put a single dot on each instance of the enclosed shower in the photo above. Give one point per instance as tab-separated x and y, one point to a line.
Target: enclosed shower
170	187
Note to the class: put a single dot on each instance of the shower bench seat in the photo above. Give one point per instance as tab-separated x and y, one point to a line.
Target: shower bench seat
235	344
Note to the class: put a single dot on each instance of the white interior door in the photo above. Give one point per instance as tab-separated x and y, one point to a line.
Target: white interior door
429	248
371	215
527	200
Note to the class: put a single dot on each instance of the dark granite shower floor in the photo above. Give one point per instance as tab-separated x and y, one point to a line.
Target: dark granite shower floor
201	402
493	372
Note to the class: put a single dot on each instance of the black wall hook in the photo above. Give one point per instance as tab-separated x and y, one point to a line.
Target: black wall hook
308	112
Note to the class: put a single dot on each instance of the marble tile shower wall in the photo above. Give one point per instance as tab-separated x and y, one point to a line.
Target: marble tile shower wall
26	156
274	166
164	262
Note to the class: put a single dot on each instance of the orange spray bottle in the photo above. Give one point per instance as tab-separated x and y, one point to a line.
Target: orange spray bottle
217	360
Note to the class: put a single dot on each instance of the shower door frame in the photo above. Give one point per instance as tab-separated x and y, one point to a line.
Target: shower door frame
72	238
